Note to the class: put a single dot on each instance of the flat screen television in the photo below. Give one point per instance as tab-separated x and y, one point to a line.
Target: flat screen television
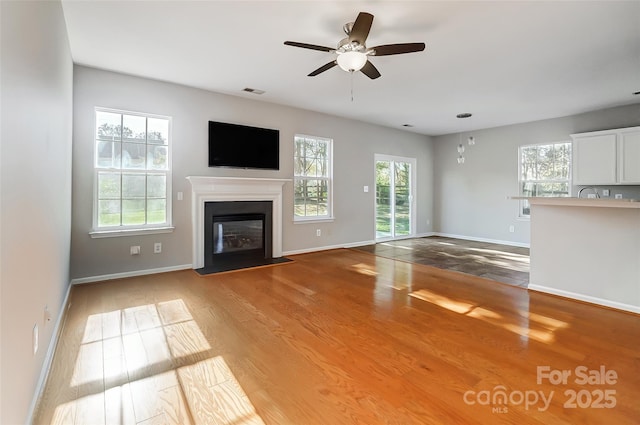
241	146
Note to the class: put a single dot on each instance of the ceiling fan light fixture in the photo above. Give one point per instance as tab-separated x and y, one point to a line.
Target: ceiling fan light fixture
351	61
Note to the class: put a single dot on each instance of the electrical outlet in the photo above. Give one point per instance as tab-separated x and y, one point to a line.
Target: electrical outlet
618	195
179	196
605	192
35	339
318	232
157	248
512	228
135	250
591	196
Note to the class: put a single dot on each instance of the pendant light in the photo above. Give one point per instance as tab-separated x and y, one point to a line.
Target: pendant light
470	140
460	152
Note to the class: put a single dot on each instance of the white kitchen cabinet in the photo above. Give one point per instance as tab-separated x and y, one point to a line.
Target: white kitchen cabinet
607	157
629	157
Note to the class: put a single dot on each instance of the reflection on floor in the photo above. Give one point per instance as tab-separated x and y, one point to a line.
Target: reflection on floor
502	263
337	337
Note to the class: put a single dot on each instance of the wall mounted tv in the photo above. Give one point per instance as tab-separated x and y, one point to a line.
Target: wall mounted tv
241	146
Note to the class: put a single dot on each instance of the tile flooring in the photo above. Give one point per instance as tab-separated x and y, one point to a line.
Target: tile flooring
502	263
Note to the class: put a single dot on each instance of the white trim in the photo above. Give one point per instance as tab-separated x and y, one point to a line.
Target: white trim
48	359
96	234
568	180
329	179
328	247
134	273
313	220
586	298
473	238
413	193
212	189
168	173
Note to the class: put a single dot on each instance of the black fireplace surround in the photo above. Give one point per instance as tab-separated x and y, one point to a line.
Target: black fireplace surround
237	235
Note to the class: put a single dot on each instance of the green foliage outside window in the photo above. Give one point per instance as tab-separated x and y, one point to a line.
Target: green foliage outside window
545	170
312	177
132	161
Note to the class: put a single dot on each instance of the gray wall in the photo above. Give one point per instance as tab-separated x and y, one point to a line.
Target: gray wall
35	191
355	144
471	199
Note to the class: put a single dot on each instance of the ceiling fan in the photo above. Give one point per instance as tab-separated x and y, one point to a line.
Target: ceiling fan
353	54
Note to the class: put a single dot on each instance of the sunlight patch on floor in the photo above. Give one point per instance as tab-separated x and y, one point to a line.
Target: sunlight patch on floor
126	366
545	335
364	269
442	301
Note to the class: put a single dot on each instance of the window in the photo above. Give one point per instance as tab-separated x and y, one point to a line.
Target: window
132	172
312	178
545	170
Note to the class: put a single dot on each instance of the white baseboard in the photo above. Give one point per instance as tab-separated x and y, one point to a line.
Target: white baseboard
129	274
328	247
586	298
472	238
48	359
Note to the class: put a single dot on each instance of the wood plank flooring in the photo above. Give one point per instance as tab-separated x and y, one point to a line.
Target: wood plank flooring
337	337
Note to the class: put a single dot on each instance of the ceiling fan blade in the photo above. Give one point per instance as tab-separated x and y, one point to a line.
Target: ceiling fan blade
323	68
370	71
309	46
397	49
360	30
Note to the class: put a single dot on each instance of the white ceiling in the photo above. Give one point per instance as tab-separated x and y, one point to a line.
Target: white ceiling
505	62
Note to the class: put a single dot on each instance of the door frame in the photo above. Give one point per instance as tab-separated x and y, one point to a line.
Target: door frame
412	195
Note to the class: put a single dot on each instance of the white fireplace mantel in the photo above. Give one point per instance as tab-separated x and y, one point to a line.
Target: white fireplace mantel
212	189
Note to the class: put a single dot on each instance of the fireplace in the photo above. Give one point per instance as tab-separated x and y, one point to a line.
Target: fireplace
215	191
237	234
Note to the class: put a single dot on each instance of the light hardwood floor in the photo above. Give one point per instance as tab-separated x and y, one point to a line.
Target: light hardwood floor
336	337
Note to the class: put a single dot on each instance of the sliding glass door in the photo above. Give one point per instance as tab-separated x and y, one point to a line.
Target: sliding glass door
395	208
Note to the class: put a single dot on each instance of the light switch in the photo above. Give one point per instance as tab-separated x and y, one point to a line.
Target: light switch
179	194
366	189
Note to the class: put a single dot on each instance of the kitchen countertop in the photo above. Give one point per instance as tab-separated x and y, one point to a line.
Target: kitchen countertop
580	202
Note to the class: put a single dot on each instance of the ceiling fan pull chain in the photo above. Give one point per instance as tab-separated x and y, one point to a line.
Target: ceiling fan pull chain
351	72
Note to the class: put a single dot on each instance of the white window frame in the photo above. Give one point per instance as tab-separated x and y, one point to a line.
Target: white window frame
129	230
523	203
329	179
413	184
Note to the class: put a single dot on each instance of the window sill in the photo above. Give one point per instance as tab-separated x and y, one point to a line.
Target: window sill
95	234
312	220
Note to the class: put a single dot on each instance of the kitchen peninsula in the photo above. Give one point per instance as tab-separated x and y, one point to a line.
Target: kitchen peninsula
586	249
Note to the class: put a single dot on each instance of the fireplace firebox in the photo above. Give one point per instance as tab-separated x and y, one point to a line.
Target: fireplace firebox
237	235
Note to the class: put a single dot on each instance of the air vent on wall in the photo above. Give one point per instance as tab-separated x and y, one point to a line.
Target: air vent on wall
254	91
